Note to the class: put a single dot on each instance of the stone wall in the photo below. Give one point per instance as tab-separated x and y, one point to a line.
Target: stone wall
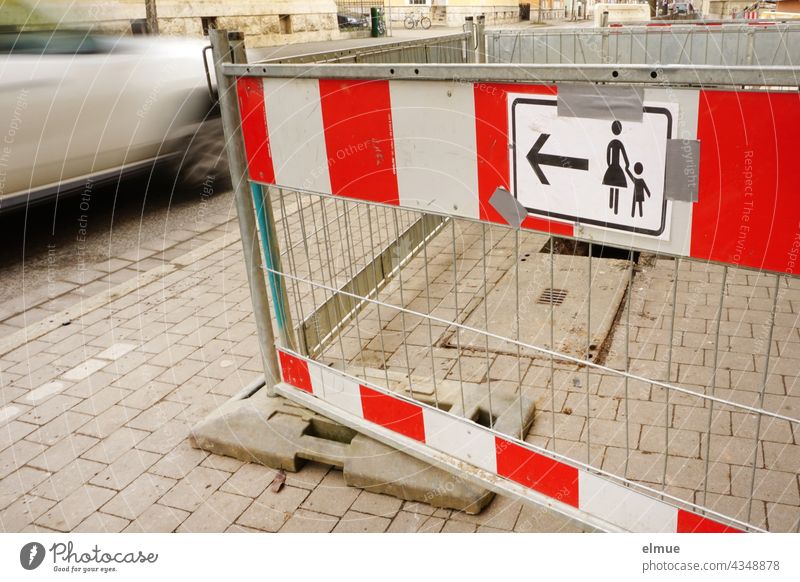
494	14
622	12
113	16
264	22
262	30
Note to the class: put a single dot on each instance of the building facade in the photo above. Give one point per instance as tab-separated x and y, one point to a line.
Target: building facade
453	12
264	22
721	9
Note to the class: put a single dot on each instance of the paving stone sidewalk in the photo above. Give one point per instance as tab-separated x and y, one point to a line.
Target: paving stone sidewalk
95	410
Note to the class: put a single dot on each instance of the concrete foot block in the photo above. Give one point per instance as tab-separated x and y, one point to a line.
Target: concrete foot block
277	433
272	431
382	469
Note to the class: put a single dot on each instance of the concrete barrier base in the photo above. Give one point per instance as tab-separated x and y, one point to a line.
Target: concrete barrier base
275	432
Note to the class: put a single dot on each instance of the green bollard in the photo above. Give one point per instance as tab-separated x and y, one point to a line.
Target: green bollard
375	19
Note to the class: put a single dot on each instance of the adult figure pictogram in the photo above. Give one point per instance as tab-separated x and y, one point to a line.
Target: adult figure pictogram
615	174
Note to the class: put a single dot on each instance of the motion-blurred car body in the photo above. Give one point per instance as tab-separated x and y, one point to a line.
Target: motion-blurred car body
78	108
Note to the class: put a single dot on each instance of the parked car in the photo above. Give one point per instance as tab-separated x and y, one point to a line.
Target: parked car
680	8
77	107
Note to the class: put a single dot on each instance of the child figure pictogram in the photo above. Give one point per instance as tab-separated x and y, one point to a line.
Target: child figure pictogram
639	188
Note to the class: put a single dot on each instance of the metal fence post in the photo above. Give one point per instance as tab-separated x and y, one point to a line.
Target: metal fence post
750	46
262	198
480	38
262	201
229	109
472	41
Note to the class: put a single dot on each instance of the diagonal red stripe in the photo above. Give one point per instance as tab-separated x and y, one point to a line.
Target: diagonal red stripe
295	372
357	116
253	112
393	413
538	472
692	523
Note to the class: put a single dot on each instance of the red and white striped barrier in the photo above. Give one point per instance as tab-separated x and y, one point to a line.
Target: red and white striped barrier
471	443
444	146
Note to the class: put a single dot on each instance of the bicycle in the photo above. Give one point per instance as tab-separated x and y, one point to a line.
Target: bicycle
412	21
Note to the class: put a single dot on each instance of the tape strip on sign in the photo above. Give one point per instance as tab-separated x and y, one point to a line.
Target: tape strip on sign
477	446
682	175
614	102
507	206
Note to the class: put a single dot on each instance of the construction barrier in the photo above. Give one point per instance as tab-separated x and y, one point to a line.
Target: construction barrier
539	277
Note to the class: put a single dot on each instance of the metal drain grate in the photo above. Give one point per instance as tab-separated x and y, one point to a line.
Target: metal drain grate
556	296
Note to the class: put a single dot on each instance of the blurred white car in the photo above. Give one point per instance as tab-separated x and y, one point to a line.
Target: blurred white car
78	108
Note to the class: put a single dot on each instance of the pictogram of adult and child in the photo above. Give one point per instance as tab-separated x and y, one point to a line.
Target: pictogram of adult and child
615	176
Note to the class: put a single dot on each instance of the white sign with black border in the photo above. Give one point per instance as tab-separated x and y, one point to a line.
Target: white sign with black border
601	172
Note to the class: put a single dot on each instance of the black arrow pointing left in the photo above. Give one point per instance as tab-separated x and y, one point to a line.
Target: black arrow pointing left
536	159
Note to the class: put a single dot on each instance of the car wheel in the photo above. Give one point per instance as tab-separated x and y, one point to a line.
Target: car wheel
203	165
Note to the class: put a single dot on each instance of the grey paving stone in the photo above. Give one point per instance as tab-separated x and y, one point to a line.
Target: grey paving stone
195	488
354	522
114	446
331	496
249	480
377	504
101	523
270	511
71	477
304	521
19	483
72	510
57	456
216	514
179	462
22	512
157	519
125	469
139	495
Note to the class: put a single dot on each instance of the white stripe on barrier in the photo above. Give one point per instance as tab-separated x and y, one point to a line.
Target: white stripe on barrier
434	136
336	389
625	507
297	134
472	444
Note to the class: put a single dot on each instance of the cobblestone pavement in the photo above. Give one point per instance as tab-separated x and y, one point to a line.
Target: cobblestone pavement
98	399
